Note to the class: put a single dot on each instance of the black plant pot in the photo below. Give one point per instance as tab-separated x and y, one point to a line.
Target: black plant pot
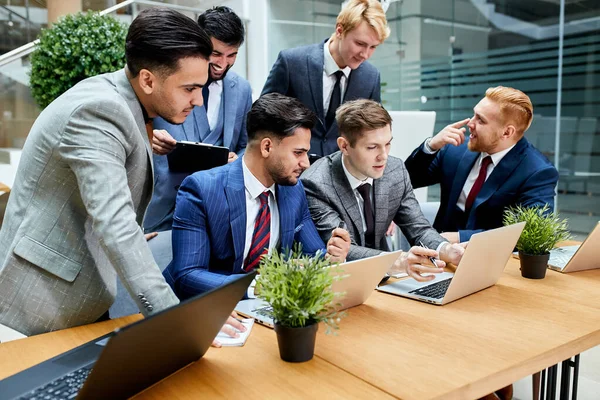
296	344
533	267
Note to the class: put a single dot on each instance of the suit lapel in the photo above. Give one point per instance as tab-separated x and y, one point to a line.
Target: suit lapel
188	126
314	65
229	103
460	176
380	207
353	88
500	174
346	196
286	218
236	199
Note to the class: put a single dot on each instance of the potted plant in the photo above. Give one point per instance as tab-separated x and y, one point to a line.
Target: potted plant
78	46
543	229
298	289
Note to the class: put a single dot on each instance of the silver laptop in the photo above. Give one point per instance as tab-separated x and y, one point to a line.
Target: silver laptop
579	257
480	267
360	278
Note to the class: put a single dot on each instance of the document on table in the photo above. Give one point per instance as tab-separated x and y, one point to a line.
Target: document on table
227	340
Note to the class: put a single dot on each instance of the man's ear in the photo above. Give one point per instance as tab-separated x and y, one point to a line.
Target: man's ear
266	147
343	144
339	31
509	131
147	81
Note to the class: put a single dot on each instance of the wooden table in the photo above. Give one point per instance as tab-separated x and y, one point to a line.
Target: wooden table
388	347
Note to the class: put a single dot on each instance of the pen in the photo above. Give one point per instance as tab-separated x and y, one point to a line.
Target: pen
432	259
342	225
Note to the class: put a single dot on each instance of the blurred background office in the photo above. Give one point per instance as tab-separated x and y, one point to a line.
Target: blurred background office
441	56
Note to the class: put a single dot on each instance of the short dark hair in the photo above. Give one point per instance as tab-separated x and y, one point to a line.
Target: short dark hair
159	37
223	24
279	115
357	116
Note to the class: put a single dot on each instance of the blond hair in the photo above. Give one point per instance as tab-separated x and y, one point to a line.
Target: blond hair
357	116
514	106
370	11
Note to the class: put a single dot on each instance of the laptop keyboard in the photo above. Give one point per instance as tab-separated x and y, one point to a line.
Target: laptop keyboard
65	387
561	256
435	290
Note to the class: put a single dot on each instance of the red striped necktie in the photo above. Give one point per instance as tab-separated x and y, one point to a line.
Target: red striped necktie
262	234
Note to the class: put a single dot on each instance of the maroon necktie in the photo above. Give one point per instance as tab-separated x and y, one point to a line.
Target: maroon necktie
478	182
261	236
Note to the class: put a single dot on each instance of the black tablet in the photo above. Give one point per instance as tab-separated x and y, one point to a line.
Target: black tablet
192	156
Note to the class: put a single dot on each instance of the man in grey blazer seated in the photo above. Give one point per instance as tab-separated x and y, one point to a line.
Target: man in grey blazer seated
221	121
367	189
73	221
326	74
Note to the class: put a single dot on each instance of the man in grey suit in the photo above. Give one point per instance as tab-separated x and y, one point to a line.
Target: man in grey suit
222	121
367	189
84	181
326	74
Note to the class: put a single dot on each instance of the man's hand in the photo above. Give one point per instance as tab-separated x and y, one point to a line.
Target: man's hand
452	237
452	253
339	245
232	157
162	142
232	328
150	235
416	262
453	134
391	229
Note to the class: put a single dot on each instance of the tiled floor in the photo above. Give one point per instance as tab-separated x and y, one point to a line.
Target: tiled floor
589	379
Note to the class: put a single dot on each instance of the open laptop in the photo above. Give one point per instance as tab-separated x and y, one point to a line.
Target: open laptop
360	278
480	267
132	358
577	258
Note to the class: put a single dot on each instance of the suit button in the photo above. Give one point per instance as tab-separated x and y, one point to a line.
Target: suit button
150	308
324	139
141	295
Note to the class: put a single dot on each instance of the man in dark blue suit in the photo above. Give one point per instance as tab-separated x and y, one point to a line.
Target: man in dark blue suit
221	121
227	218
326	74
495	169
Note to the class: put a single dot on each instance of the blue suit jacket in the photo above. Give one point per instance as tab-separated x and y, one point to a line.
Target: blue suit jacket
298	73
209	228
523	177
237	100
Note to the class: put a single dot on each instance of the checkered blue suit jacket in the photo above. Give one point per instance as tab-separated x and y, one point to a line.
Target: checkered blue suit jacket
209	228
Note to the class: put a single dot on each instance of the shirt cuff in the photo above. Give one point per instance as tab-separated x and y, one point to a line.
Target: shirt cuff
440	246
427	149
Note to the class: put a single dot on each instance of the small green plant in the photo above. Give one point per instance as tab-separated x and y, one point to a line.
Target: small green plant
78	46
543	229
298	288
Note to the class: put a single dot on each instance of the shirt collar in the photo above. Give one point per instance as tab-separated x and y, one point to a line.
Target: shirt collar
496	157
329	64
354	182
252	184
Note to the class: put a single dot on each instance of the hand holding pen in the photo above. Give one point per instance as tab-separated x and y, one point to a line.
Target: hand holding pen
339	243
417	266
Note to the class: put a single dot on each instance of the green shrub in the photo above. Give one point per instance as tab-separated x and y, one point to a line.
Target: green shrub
543	229
78	46
298	288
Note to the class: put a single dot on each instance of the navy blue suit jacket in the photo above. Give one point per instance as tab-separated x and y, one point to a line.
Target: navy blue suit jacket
237	100
523	177
209	228
298	73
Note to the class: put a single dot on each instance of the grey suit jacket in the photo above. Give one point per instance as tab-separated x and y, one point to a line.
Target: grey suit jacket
298	73
74	215
331	199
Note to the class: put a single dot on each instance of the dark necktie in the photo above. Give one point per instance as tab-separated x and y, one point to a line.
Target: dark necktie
478	183
261	236
206	93
335	101
365	193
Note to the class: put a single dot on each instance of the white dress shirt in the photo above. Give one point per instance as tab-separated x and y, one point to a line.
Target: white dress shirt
354	184
215	90
496	157
330	67
253	189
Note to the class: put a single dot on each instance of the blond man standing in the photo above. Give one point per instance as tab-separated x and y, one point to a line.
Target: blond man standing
326	74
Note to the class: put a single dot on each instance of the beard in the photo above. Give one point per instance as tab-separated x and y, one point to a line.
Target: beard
480	146
281	178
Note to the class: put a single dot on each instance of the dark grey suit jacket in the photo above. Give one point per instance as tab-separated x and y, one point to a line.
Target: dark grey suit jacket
331	199
298	73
